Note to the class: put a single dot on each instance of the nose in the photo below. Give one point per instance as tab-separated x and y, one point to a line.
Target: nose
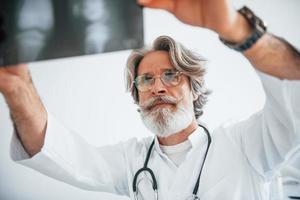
158	87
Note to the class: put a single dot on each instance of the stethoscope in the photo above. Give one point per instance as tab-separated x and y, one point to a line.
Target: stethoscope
154	183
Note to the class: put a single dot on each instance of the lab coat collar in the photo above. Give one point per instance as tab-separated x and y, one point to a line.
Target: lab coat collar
197	139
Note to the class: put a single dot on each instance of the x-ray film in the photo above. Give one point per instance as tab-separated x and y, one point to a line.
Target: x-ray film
32	30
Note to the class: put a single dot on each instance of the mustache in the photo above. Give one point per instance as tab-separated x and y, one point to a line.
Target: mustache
148	105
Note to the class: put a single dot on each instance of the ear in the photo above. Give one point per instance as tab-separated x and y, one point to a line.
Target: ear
195	96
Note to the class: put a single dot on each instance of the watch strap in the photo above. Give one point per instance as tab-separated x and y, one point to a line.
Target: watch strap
258	26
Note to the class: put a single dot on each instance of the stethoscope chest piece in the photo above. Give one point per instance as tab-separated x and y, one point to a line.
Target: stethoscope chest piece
192	197
155	195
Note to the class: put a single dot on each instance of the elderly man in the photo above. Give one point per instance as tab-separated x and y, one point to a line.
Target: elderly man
183	161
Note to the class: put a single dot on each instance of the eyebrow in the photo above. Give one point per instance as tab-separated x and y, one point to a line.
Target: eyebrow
162	71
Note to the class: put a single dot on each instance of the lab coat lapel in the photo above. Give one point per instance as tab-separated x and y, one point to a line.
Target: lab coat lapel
187	173
225	170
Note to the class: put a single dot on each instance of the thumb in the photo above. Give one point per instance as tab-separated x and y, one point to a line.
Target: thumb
4	82
160	4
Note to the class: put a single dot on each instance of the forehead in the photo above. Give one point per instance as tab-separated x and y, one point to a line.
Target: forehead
155	62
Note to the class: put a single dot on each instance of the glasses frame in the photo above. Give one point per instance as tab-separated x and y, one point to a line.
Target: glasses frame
178	74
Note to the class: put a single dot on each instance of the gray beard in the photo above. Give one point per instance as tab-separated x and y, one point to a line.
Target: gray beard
164	122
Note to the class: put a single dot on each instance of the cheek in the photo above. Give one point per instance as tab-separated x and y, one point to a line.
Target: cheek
185	91
143	97
188	100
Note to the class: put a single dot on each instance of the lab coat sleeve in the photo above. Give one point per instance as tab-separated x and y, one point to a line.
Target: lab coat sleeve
268	137
65	156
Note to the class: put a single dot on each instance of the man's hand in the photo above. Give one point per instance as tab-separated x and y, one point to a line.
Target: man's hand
26	108
269	54
216	15
12	75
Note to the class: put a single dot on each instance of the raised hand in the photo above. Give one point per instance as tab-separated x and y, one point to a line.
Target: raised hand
217	15
11	76
26	108
269	54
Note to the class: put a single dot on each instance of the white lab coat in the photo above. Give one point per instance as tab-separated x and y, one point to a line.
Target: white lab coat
241	157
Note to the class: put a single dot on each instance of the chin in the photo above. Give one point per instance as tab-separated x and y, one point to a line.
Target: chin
164	122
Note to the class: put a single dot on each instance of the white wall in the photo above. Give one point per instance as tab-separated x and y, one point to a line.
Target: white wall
88	95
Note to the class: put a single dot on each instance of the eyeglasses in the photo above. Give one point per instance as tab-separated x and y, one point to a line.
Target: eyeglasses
145	82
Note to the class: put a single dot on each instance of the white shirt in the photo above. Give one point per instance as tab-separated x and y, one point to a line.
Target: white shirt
239	163
177	153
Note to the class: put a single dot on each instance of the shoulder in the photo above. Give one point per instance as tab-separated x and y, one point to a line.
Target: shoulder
237	131
239	125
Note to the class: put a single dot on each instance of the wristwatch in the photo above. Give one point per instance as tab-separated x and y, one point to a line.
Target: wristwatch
258	26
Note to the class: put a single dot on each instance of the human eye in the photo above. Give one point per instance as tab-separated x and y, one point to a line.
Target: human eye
170	74
146	79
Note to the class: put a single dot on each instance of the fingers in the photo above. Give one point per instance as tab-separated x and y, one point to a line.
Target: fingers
6	83
22	71
19	68
160	4
10	74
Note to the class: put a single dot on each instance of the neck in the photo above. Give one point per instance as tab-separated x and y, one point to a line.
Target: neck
179	137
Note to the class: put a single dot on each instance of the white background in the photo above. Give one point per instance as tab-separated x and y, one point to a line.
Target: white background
87	94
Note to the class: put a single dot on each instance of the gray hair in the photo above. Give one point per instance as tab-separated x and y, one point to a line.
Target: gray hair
184	60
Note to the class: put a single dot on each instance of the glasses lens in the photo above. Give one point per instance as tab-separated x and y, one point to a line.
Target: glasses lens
171	78
144	82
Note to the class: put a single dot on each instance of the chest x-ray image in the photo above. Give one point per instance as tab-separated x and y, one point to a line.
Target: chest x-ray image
34	30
